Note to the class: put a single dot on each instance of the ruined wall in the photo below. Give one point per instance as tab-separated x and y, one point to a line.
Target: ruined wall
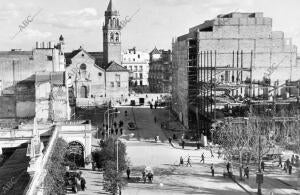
180	80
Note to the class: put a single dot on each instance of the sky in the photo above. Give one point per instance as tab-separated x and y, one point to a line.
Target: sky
155	22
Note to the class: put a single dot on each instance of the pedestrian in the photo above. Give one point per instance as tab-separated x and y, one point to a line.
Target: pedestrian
181	161
293	159
155	105
285	167
182	144
117	131
144	176
128	173
174	136
155	119
126	114
219	153
246	172
262	165
227	167
121	123
202	158
288	162
151	106
211	153
112	131
121	131
290	169
82	183
170	140
188	162
212	170
280	161
115	124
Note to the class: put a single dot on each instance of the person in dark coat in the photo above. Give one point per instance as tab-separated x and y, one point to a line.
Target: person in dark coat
170	140
290	169
182	144
181	161
128	173
188	162
280	161
246	172
82	183
202	158
228	166
262	165
212	170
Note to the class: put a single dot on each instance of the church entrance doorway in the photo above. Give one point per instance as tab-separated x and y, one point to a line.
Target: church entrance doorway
76	153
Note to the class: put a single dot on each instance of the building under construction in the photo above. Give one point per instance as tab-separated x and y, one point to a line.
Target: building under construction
224	65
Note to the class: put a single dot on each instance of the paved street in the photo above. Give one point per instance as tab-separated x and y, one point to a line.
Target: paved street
169	178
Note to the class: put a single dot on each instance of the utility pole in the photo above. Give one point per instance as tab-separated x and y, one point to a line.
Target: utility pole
259	174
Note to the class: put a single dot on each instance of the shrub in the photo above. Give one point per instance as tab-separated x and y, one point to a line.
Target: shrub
56	170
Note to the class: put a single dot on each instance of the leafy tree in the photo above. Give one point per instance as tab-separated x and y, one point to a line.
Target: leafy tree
54	180
106	158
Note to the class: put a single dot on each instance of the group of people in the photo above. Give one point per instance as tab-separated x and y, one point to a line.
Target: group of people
288	164
155	105
117	129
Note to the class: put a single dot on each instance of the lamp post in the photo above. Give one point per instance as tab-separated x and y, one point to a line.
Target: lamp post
108	117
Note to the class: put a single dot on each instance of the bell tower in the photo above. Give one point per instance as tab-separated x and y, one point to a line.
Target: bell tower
111	36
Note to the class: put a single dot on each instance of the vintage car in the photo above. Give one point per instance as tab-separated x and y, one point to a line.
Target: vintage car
72	181
131	126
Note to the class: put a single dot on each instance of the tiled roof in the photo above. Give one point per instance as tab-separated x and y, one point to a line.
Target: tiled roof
98	58
71	55
115	67
5	53
155	51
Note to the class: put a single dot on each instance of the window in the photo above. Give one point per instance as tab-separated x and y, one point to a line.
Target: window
141	75
49	58
135	68
111	36
82	55
130	67
141	83
134	59
125	67
100	74
112	84
139	56
117	37
118	77
141	68
118	84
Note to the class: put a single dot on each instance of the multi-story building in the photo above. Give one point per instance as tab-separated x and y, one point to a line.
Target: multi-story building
137	63
18	70
233	50
160	71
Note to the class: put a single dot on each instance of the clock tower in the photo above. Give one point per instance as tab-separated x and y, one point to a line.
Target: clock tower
111	36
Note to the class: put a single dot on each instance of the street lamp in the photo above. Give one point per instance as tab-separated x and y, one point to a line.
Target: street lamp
108	117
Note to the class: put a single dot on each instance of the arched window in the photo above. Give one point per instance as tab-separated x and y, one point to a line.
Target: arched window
114	22
112	36
117	37
83	70
83	92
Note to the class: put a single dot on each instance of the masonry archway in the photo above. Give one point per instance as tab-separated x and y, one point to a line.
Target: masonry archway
76	153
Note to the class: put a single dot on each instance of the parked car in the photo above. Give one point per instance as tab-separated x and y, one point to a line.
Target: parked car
131	126
72	180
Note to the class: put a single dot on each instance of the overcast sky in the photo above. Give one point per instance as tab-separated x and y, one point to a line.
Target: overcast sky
157	21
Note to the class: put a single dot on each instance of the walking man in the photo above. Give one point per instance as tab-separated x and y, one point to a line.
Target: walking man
188	161
219	153
246	172
170	140
128	173
82	183
202	158
181	161
211	152
262	165
212	170
280	161
183	144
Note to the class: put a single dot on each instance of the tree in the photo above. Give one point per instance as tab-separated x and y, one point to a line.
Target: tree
106	158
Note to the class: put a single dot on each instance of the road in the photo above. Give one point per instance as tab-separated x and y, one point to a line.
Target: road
169	178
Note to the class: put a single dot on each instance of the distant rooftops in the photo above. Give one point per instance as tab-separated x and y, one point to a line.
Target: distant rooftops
241	15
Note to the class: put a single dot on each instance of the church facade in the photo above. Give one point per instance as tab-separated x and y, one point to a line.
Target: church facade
99	75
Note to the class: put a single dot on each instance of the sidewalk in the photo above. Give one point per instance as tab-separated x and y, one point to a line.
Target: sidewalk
94	182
